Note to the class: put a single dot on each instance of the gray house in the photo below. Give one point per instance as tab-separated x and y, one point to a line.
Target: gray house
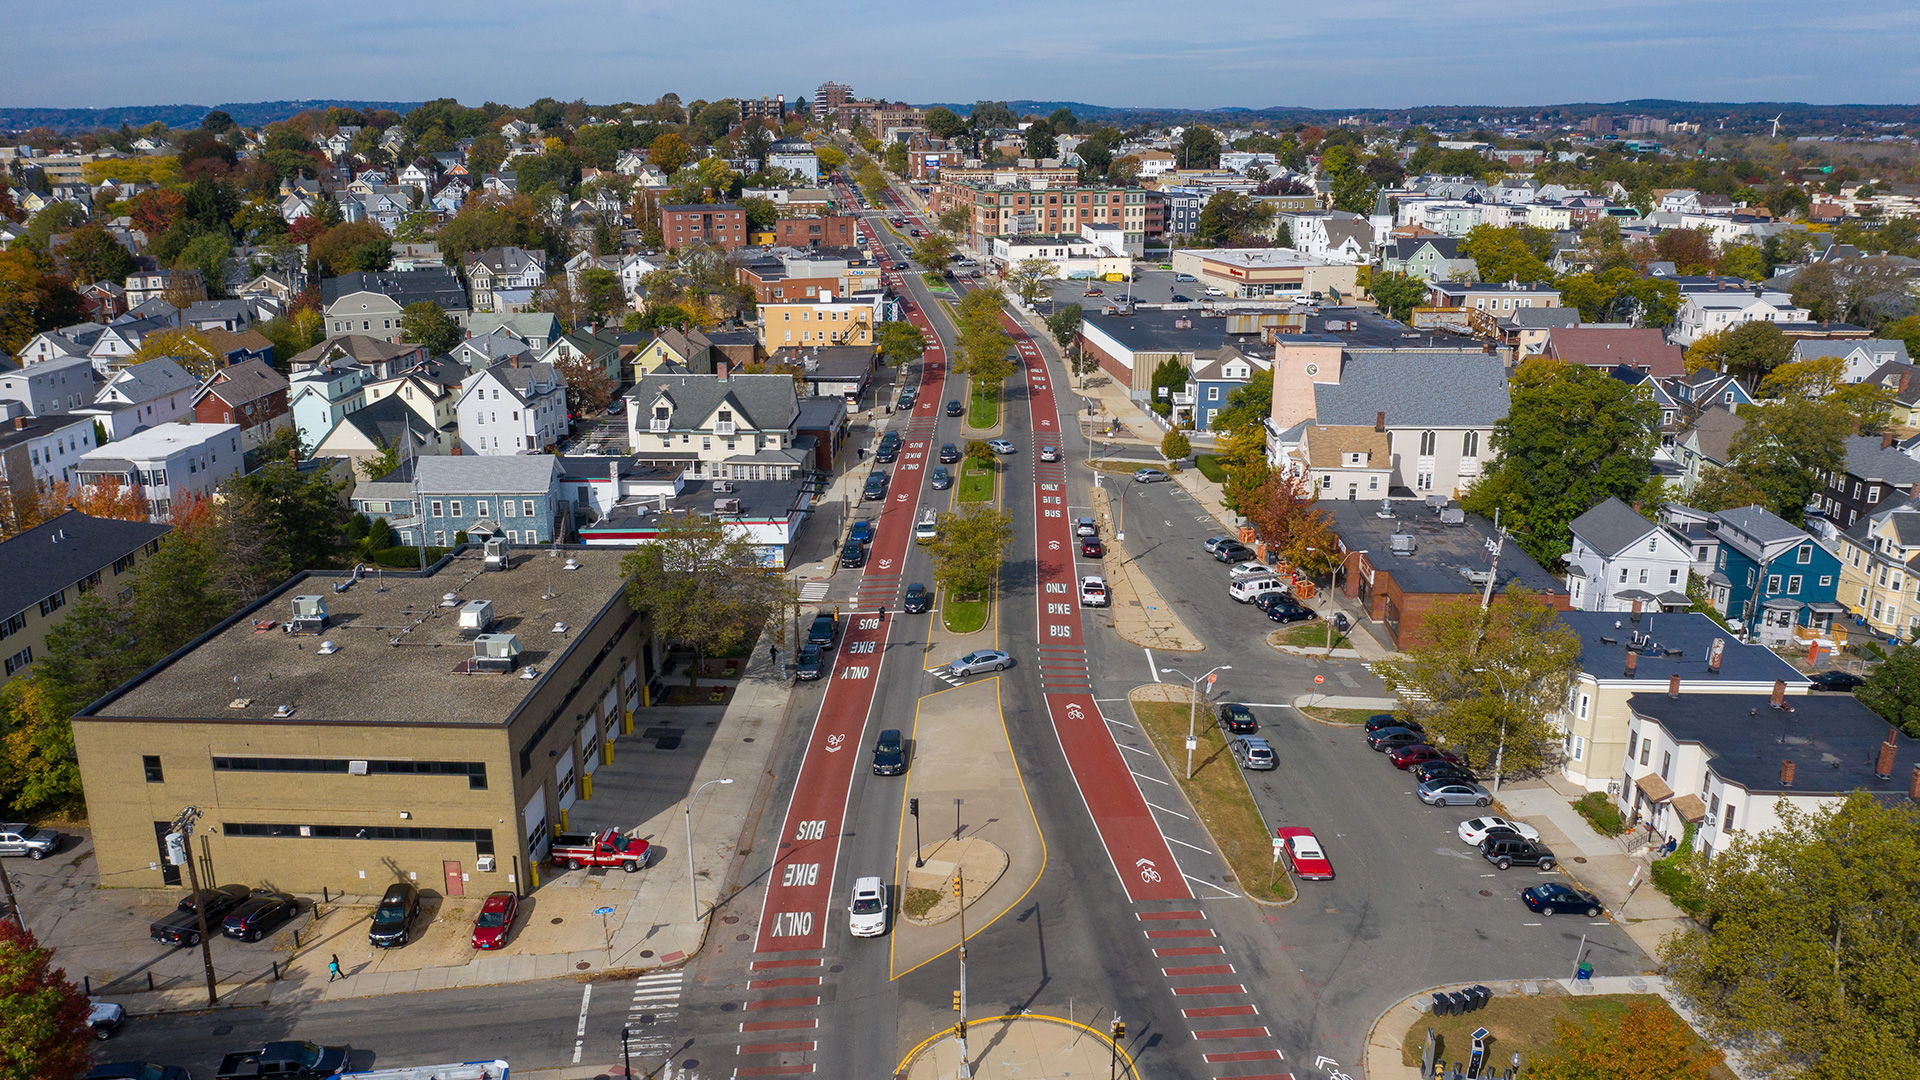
515	497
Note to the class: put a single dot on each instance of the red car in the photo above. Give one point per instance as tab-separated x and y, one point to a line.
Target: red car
1406	757
490	930
1091	548
1304	855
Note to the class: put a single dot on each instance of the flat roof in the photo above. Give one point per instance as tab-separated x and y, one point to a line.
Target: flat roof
1833	741
1606	635
1443	555
1258	258
398	646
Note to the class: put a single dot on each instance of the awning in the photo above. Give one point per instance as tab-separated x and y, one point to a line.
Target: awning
1654	788
1783	603
1827	607
1633	594
1675	599
1690	809
1718	578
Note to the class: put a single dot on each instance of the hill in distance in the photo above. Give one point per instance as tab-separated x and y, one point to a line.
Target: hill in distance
245	113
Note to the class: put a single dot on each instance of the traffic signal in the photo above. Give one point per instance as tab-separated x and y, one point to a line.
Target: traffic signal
1119	1029
913	807
956	1001
956	884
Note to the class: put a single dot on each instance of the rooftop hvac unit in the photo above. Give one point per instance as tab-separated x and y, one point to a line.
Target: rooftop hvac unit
476	618
309	615
1453	516
1437	502
496	555
726	506
1402	544
723	485
356	768
496	652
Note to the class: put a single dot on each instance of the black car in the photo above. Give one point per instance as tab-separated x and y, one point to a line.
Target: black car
889	754
1441	768
1554	898
1237	720
824	629
854	555
1387	720
1286	611
1840	681
919	599
1178	299
876	487
1505	849
808	666
954	408
181	926
1388	738
259	915
889	448
949	453
1233	551
941	479
393	919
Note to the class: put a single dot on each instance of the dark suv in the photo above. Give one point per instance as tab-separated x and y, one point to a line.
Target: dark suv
889	754
876	487
854	554
1236	720
889	447
393	919
1504	850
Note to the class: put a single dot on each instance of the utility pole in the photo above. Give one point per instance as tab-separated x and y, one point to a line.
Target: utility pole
960	995
1493	575
183	853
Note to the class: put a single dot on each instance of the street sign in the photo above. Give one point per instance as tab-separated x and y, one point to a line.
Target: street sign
1211	679
603	911
1319	678
1192	743
1277	845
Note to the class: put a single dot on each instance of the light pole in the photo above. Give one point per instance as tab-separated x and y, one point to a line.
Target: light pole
693	882
1500	752
1193	712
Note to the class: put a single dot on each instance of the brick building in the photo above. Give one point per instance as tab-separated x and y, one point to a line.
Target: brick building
838	230
723	225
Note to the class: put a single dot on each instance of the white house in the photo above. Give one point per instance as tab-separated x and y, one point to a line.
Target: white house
1620	559
321	395
168	463
1703	313
42	450
143	395
1859	358
512	408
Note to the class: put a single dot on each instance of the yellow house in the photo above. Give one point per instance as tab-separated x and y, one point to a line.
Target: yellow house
45	569
826	321
1877	573
691	350
760	238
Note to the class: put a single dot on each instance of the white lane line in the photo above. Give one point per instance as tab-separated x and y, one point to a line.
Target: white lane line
580	1031
1211	885
1152	668
1175	813
1135	749
1155	779
1182	843
1529	924
1115	723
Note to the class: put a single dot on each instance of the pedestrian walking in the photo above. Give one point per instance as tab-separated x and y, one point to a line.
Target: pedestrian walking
333	969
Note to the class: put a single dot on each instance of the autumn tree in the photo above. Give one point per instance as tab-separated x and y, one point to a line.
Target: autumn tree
33	298
1032	279
1647	1042
703	583
669	152
967	553
1175	445
589	389
355	245
1509	253
425	322
188	347
44	1033
1281	509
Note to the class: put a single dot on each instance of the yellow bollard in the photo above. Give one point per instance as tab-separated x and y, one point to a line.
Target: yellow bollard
564	827
628	729
586	785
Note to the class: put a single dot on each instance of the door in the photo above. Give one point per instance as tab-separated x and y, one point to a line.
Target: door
169	873
456	882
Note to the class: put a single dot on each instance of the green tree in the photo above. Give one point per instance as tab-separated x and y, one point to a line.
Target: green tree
92	254
1248	405
1064	325
1198	148
1515	253
702	583
966	555
1175	445
1040	140
1032	279
1398	294
761	213
1232	218
1353	190
1787	446
1893	689
1725	489
1572	436
1619	294
1804	953
43	1016
900	342
373	467
208	254
1062	120
1484	673
425	322
1169	378
301	516
944	122
49	221
934	251
600	292
1753	349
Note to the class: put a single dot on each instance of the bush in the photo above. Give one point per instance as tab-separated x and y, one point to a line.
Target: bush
978	450
357	527
379	534
1601	813
1672	877
1175	446
1210	467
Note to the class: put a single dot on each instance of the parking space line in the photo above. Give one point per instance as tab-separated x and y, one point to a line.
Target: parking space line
1211	885
1175	813
1135	749
1183	843
1155	779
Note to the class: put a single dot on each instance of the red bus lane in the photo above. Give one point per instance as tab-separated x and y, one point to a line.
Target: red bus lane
1139	853
800	887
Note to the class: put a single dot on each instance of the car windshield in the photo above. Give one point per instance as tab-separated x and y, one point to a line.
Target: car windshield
390	913
491	919
308	1057
866	905
887	746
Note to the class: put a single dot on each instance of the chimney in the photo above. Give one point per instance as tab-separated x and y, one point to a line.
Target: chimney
20	423
1786	773
1913	785
1904	377
723	368
1886	439
1380	421
1713	655
1635	617
1884	767
1779	697
1633	661
1673	686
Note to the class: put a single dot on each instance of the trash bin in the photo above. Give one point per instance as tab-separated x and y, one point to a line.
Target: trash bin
1457	1003
1585	971
1473	998
1340	621
1439	1003
1485	992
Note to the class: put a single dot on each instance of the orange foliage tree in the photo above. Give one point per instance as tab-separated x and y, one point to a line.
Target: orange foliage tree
1647	1042
22	510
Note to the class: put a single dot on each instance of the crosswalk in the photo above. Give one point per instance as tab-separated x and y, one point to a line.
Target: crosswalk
814	591
653	1013
1220	1013
779	1036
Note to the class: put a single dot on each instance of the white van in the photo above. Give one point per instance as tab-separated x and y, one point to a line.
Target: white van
867	915
1247	590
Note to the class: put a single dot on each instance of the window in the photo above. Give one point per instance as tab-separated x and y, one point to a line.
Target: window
1623	575
1673	577
19	660
1826	580
1666	766
506	507
1633	740
1773	583
13	625
1579	748
1427	439
1646	750
1470	444
151	763
1873	496
53	603
1793	584
456	508
1584	702
1805	554
1424	481
1754	575
1726	823
526	508
480	508
1643	575
1653	544
437	509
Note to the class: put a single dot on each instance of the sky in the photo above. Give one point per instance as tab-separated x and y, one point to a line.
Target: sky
1197	54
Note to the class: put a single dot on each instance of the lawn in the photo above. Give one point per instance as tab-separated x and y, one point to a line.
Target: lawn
976	482
964	616
1209	466
1312	635
1220	794
920	901
936	282
983	410
1350	717
1519	1023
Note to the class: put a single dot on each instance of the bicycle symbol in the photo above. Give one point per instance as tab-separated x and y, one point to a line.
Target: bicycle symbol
1147	870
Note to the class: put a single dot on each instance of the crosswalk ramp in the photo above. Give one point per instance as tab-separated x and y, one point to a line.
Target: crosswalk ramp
945	674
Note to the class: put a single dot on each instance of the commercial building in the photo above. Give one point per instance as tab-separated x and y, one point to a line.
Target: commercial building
723	225
1029	202
823	320
1255	273
45	569
375	742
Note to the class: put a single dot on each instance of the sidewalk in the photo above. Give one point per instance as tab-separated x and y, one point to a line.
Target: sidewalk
1030	1047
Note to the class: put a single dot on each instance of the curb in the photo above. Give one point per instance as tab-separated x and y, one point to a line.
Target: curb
906	1063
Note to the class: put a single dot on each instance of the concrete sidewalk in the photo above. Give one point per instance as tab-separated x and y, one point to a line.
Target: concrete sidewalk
1030	1047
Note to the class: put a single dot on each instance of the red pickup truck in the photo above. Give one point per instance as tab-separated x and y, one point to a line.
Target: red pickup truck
609	848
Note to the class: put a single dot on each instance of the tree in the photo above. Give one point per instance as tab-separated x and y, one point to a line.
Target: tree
1063	120
425	322
1647	1042
1064	325
1230	217
51	221
1506	668
1621	294
186	346
1199	148
301	517
1032	279
1175	445
356	245
944	122
1787	446
1867	290
703	583
1893	689
1169	378
39	773
1516	253
1398	294
1725	489
900	342
1804	955
1040	141
373	467
33	298
830	157
669	152
600	292
92	254
1824	379
589	390
1753	349
1572	437
1249	404
1353	190
934	251
44	1033
966	555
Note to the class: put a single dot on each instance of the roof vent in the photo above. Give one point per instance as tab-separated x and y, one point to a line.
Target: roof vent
282	711
328	648
529	673
571	564
449	599
559	628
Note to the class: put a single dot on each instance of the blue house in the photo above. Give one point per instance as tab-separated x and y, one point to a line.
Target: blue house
1212	381
1772	576
517	498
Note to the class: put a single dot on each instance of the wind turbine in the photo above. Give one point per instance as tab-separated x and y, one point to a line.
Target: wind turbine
1776	126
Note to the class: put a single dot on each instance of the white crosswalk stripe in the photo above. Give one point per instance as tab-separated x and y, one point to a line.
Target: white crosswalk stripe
814	591
652	1011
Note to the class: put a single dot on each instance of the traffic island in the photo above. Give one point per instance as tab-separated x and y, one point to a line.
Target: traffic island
1022	1048
929	899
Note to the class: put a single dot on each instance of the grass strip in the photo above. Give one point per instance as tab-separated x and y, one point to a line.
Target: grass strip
1524	1024
919	901
1351	717
1219	793
983	410
976	482
964	616
1314	636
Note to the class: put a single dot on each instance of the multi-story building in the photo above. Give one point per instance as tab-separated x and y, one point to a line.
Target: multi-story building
829	97
351	768
371	303
723	225
512	408
764	108
1024	202
1876	472
504	277
823	320
168	464
1490	296
321	395
1877	556
252	395
147	285
1772	576
1253	273
721	425
51	388
47	567
518	499
37	452
830	231
1620	561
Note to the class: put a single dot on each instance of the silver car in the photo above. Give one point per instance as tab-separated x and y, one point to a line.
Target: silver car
983	660
1000	446
1450	791
22	839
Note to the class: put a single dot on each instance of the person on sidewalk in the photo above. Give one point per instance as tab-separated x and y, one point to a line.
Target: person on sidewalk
333	969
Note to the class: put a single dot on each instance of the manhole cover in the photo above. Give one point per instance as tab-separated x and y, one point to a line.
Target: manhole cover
557	922
1486	892
690	1063
729	919
1579	858
743	937
729	1006
645	1018
670	742
223	1029
582	966
747	739
837	968
645	953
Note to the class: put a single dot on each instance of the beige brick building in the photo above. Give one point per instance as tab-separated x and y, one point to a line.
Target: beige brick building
372	749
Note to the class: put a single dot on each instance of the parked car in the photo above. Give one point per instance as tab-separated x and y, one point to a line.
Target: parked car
942	479
1184	277
854	555
1085	526
1214	290
1150	476
1181	299
1092	548
1249	569
393	919
1505	851
261	912
1094	290
105	1018
867	915
889	754
1284	610
181	927
808	666
1441	768
824	630
495	921
1474	830
862	531
949	453
1093	592
982	660
291	1060
1406	757
1452	792
1049	453
1253	753
919	599
1839	681
1553	898
1305	857
19	838
1236	719
876	488
1232	551
1388	738
954	408
1386	720
1000	446
889	447
1212	542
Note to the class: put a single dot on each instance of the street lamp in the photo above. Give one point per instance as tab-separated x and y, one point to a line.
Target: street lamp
693	883
1499	752
1193	711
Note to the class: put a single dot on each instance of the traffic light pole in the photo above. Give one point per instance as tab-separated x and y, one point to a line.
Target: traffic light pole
1116	1031
960	890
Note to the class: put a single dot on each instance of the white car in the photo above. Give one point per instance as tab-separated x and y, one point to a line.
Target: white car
1215	290
1474	830
1049	453
867	915
1093	592
1245	570
1000	446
